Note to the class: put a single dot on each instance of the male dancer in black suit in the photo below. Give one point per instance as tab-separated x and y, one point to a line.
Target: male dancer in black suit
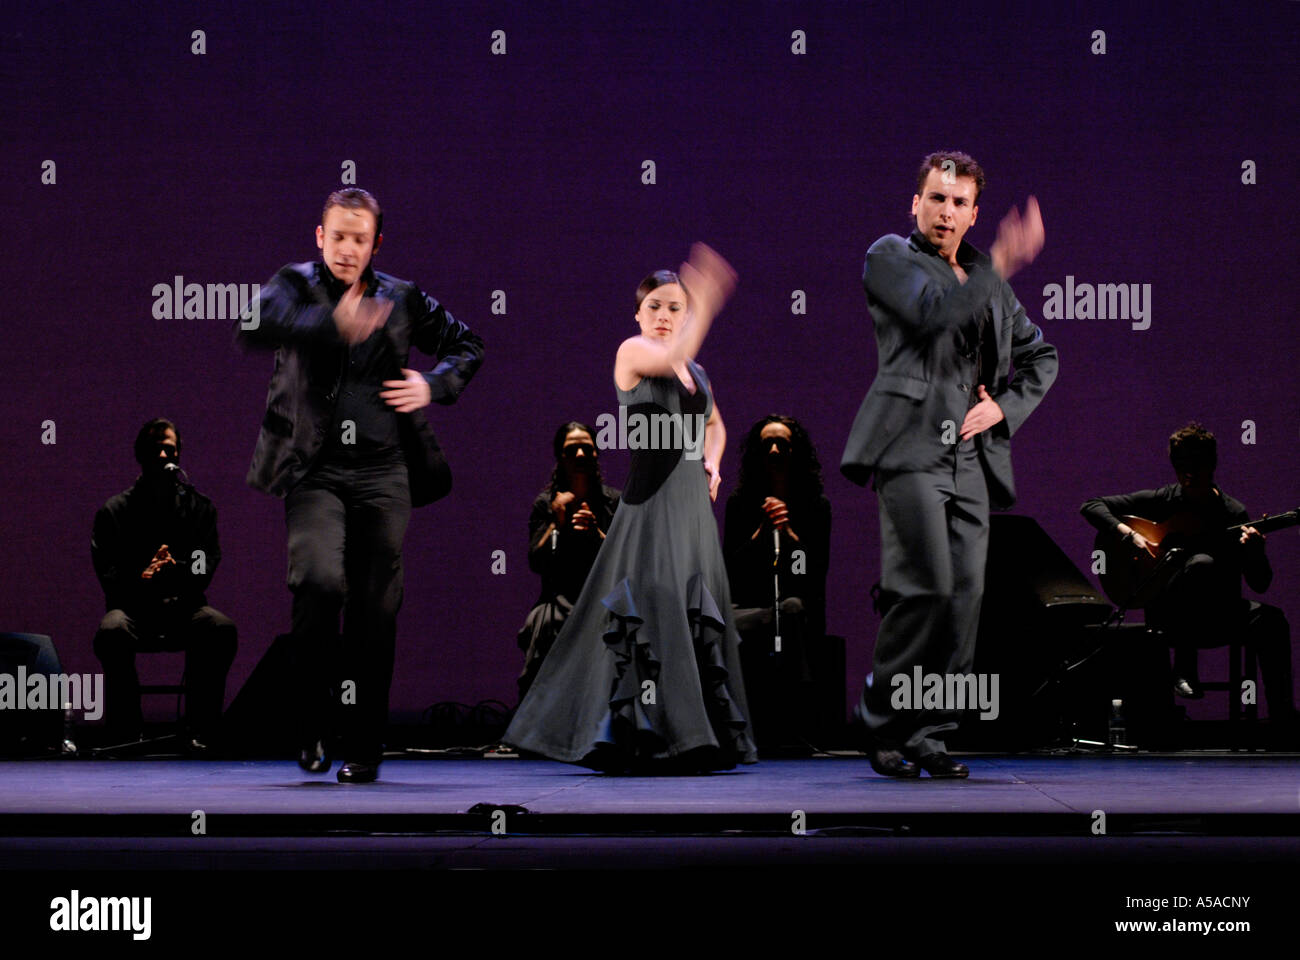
935	430
343	442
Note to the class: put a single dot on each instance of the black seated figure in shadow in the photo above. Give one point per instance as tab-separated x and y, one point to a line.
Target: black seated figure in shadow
1202	605
565	531
155	550
779	505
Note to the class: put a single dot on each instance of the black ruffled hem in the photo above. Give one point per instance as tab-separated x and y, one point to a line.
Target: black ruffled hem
631	743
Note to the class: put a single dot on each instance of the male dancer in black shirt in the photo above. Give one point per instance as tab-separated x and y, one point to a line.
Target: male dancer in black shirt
345	444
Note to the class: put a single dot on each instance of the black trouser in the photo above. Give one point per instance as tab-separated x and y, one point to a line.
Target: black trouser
346	525
1196	611
208	638
934	533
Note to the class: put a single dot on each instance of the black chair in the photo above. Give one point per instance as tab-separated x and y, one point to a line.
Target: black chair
1242	718
172	743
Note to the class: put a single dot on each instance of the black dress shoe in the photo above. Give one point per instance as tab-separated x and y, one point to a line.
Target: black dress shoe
353	772
942	766
316	758
891	763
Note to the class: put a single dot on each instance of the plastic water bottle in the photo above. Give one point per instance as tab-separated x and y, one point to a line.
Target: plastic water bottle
69	745
1116	735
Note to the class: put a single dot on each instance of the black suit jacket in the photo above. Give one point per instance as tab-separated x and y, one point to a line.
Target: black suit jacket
922	317
294	316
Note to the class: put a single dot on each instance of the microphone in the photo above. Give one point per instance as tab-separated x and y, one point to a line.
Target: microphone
173	470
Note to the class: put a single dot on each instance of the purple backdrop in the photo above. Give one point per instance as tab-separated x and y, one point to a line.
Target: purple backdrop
522	173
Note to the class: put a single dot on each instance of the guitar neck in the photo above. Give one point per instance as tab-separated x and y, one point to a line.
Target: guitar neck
1265	524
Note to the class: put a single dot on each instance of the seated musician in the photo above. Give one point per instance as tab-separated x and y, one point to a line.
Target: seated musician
1201	605
155	549
565	530
779	493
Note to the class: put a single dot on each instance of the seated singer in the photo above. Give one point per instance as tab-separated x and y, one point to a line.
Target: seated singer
777	543
155	550
565	530
1201	603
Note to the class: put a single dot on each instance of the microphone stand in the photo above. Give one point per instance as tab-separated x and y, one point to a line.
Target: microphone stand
776	590
1065	668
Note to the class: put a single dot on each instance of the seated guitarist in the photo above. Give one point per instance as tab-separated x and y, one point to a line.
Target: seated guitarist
1201	605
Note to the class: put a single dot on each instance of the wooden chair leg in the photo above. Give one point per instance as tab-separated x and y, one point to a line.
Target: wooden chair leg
1252	673
1234	681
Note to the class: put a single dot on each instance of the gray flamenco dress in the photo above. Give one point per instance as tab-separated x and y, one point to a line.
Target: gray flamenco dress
645	674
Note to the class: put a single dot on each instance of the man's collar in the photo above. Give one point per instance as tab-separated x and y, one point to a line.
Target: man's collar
151	490
1219	496
336	287
967	255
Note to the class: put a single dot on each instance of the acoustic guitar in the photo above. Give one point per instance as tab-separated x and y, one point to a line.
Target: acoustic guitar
1131	577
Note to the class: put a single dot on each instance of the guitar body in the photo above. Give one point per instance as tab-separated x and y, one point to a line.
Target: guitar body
1131	578
1128	574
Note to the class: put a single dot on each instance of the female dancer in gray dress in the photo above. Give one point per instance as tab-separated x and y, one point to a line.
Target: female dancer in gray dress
645	674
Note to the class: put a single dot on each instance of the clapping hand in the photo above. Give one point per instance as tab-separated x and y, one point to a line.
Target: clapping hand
778	514
160	559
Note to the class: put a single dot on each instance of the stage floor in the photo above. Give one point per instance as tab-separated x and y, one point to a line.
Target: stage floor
443	840
1243	794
